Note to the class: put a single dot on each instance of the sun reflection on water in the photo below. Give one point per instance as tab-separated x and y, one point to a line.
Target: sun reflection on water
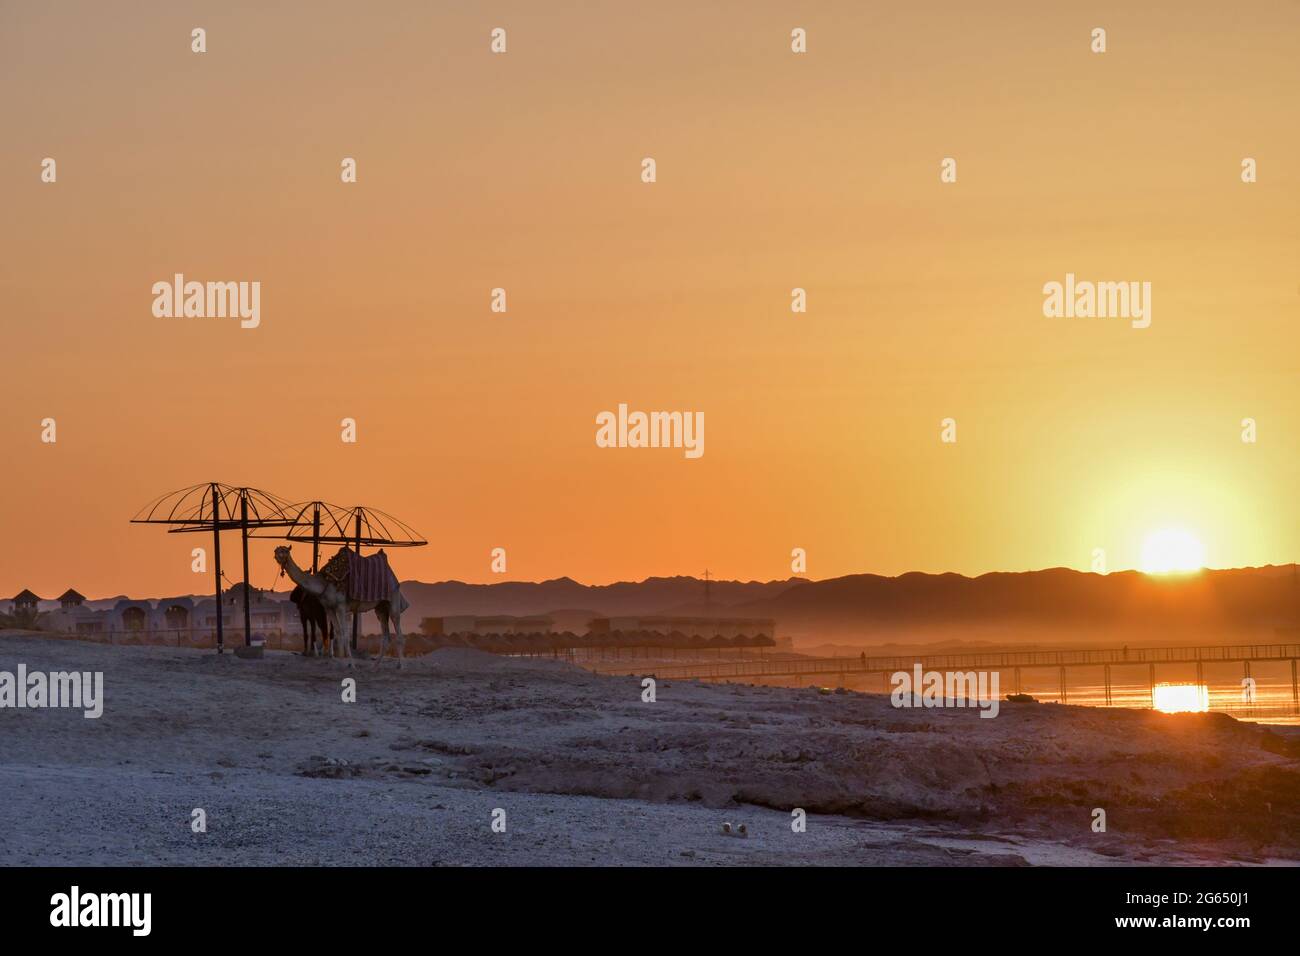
1181	698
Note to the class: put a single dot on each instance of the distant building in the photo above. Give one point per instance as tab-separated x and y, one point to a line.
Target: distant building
71	616
24	602
128	615
690	626
266	614
175	613
235	594
500	624
179	615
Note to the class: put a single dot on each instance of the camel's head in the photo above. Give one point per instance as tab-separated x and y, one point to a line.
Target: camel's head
282	555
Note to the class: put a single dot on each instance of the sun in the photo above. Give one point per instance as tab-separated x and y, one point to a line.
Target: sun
1172	551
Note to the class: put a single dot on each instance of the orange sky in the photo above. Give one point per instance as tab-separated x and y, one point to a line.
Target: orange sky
774	171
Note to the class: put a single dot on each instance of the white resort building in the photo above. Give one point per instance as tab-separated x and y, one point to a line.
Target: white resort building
690	626
499	624
178	615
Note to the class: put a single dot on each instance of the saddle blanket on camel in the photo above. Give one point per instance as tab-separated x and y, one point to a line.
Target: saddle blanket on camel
362	578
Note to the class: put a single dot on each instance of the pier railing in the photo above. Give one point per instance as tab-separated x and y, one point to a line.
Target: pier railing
979	660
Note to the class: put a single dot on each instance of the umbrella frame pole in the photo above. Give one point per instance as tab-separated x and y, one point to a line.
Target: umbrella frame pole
216	561
356	615
315	540
243	522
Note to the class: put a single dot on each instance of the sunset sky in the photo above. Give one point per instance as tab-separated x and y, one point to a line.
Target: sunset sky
775	171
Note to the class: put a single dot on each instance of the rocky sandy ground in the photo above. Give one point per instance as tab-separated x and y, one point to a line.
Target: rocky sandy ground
587	773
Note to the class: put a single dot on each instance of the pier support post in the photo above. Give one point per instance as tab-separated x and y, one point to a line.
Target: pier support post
1295	688
1017	679
1062	685
1151	681
1106	680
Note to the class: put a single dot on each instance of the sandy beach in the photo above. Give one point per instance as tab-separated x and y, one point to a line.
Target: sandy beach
410	774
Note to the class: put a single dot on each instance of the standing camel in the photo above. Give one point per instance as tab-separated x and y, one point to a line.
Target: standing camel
331	588
312	614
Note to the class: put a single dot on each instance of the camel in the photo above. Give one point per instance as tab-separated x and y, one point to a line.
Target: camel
312	614
337	604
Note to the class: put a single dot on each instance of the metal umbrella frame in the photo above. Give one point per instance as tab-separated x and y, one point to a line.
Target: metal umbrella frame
216	507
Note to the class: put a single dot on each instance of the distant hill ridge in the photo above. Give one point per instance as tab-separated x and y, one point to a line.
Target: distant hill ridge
1240	599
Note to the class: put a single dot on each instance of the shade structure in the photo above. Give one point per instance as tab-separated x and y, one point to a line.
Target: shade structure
319	522
216	507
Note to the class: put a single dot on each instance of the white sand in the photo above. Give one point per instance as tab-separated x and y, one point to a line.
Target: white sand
587	773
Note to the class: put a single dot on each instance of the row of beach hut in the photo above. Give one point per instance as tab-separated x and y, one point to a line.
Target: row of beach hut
564	642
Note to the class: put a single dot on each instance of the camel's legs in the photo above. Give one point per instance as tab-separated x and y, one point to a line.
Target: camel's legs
401	641
340	632
383	641
344	639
